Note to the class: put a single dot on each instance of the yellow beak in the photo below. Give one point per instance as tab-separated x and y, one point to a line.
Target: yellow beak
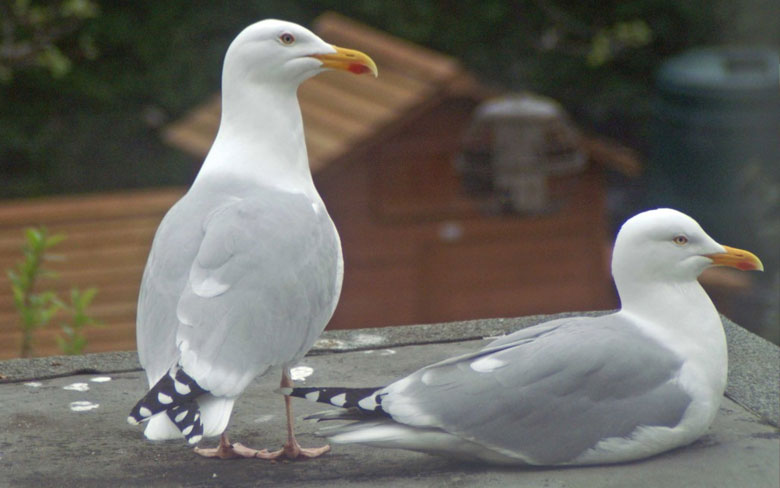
348	60
737	258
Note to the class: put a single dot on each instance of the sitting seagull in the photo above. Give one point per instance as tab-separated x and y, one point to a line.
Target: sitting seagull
246	269
572	391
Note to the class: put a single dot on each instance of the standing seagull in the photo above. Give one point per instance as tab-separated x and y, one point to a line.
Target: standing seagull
580	390
245	270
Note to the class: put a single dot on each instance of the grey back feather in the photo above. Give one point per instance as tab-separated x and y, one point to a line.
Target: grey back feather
548	392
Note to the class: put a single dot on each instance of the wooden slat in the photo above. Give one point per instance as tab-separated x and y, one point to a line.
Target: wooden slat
52	210
86	235
372	287
343	128
360	88
116	337
330	95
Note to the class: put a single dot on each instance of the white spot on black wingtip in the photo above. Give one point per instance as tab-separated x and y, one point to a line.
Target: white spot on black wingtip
181	388
368	403
186	431
132	421
313	396
164	399
145	412
339	400
180	416
194	439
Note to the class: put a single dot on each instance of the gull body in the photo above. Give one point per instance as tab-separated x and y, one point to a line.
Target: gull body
578	390
246	269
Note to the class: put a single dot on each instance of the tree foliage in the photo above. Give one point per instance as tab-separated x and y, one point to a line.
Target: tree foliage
88	118
44	35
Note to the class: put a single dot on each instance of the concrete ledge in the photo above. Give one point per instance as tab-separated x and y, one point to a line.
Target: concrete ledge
49	440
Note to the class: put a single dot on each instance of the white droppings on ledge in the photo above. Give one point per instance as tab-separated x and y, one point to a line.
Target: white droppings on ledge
263	418
300	373
100	379
83	406
329	344
76	387
34	384
367	339
387	352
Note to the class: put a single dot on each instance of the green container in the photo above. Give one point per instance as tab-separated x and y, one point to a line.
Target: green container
715	147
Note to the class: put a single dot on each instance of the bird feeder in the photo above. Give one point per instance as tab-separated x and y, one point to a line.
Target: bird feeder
512	147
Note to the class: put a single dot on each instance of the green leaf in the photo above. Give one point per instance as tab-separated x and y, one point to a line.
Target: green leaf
18	293
54	240
82	299
57	63
34	236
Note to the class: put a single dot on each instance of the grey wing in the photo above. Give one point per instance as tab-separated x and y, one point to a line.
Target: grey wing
174	248
547	398
262	288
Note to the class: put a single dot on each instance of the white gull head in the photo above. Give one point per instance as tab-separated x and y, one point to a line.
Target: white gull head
260	138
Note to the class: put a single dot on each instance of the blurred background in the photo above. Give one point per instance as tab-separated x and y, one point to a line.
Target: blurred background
619	106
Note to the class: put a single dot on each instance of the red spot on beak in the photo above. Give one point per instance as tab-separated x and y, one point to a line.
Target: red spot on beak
745	266
358	69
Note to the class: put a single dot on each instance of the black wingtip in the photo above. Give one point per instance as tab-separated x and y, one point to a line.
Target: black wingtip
367	400
175	394
186	417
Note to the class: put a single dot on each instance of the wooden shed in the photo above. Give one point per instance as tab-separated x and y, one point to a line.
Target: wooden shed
417	247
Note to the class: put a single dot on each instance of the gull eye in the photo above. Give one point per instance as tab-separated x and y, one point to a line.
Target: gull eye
286	38
680	240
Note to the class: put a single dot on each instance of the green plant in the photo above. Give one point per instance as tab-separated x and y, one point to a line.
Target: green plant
73	340
37	308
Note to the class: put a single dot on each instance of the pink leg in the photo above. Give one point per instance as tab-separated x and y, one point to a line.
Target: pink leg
291	448
226	450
